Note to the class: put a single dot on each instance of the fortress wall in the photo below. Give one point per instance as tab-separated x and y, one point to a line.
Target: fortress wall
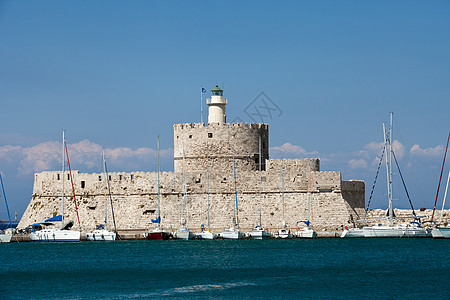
222	139
135	198
294	165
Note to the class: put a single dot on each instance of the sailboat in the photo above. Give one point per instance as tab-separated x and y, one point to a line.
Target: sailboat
259	232
158	233
412	230
233	233
184	233
46	231
306	232
283	233
204	233
5	236
442	232
102	233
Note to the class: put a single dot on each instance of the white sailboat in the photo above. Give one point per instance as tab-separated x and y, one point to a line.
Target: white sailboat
283	233
306	232
259	232
184	233
157	233
102	233
233	233
47	231
411	230
205	233
5	236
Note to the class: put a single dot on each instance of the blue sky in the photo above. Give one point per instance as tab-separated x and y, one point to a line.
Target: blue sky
116	74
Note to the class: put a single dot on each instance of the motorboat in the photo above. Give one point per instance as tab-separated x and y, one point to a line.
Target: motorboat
259	233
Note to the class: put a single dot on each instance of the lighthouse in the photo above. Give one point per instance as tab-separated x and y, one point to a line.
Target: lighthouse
216	106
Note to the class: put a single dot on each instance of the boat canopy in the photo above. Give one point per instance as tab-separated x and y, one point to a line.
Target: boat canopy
55	219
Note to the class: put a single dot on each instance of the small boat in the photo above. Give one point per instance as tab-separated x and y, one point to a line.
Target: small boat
102	233
184	233
6	235
305	232
259	233
284	234
157	234
205	234
233	233
47	231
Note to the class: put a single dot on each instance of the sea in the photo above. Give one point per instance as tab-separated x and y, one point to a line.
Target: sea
228	269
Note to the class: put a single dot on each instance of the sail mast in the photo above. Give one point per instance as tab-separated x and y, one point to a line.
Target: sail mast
207	177
282	191
391	208
6	202
445	194
440	177
62	176
184	187
159	194
259	146
235	193
105	188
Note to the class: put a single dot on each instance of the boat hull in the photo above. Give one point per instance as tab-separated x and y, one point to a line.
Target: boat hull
232	234
284	234
5	238
305	234
259	234
352	233
55	235
396	232
183	234
101	235
157	235
441	233
206	235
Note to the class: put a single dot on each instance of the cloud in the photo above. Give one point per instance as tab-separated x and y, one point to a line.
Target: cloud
287	149
357	164
83	156
427	152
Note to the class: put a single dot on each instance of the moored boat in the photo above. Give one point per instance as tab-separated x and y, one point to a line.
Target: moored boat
259	233
232	233
284	234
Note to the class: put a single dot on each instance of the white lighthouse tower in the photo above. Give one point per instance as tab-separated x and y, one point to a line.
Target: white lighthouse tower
216	106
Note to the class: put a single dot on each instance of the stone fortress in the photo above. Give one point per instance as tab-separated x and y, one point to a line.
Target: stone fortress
323	198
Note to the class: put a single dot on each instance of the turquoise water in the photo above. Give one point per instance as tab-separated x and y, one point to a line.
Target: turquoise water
319	269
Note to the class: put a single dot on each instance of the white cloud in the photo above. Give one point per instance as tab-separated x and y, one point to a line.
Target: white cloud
427	152
357	164
83	156
287	149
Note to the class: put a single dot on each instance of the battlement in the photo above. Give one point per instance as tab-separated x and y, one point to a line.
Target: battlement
190	126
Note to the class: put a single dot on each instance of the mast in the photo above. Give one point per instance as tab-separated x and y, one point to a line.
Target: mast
235	193
159	193
207	177
310	198
391	212
440	177
282	191
259	154
387	173
105	188
62	176
201	104
6	202
110	198
445	194
184	187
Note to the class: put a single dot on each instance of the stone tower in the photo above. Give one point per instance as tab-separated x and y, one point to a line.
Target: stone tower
220	140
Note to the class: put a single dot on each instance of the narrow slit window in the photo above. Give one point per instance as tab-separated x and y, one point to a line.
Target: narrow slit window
83	184
210	135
